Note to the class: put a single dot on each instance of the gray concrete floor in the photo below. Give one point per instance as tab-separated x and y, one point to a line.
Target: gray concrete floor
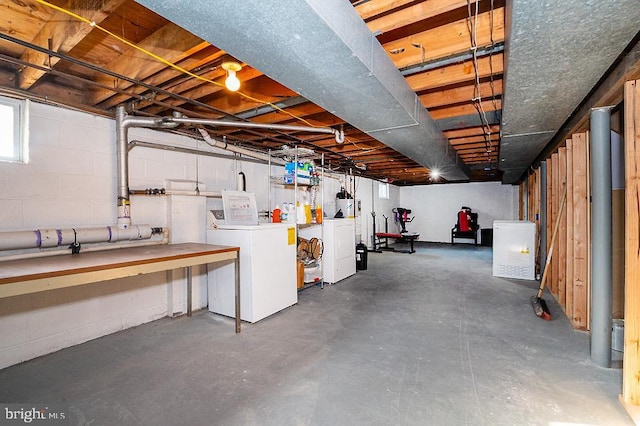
429	338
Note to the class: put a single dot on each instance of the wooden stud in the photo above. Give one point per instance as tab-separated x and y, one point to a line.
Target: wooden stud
555	203
548	206
562	229
568	305
631	362
521	194
580	232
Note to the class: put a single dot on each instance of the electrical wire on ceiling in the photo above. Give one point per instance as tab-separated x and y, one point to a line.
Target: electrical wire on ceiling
472	25
169	63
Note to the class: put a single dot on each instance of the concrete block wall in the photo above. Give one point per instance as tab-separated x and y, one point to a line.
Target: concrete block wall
70	181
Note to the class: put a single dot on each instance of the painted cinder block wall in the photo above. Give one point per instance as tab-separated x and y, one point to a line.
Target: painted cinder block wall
435	207
70	181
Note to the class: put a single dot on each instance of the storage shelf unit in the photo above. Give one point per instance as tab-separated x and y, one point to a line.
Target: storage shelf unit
305	230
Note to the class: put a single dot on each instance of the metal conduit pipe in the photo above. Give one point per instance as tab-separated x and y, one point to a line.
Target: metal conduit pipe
223	145
163	191
46	238
174	148
123	123
339	135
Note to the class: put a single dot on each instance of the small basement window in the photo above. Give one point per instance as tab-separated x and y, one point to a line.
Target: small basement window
13	130
383	190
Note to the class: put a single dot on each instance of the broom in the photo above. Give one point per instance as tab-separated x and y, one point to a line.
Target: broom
539	305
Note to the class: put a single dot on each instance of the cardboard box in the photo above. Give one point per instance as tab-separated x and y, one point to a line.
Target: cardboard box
303	172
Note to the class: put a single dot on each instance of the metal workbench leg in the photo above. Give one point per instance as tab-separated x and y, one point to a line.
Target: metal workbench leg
189	290
237	263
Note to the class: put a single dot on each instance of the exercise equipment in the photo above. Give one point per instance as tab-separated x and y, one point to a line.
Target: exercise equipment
381	239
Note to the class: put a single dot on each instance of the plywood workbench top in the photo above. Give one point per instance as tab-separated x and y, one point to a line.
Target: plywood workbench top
83	268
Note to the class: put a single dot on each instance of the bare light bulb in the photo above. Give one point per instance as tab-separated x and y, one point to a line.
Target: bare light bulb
232	83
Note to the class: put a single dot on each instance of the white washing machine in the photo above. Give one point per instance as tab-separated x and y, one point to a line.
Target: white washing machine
267	270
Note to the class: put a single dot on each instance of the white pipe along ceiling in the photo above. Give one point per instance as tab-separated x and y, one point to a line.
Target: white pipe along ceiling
324	51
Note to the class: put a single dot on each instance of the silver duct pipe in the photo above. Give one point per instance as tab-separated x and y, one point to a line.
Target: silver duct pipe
328	55
601	245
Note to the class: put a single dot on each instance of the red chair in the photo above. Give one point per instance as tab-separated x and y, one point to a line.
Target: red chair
466	227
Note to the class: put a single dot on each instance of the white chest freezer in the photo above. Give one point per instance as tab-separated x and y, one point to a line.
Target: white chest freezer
267	270
514	246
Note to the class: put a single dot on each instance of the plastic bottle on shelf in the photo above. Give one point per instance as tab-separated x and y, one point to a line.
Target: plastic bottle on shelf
277	214
307	213
300	216
318	214
284	214
291	213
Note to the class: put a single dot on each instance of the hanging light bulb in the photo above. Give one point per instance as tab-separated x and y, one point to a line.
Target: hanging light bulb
232	82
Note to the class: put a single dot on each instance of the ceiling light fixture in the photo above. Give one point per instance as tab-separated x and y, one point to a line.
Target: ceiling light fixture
232	82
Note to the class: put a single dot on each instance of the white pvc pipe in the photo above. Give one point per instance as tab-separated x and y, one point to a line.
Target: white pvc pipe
46	238
18	240
99	247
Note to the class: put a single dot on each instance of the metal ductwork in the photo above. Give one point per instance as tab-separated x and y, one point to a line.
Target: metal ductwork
555	54
324	51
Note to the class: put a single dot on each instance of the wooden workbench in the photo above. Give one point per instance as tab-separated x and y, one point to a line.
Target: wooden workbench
33	275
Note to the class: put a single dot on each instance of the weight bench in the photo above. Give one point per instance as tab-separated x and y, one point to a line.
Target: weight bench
382	241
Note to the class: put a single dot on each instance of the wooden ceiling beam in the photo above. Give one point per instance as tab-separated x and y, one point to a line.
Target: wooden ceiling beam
170	42
464	109
172	80
445	40
476	149
22	20
495	137
457	73
387	19
466	93
202	91
61	34
278	116
374	9
476	146
470	131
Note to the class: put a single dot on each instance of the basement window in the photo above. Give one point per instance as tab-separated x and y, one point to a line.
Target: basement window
383	190
13	130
